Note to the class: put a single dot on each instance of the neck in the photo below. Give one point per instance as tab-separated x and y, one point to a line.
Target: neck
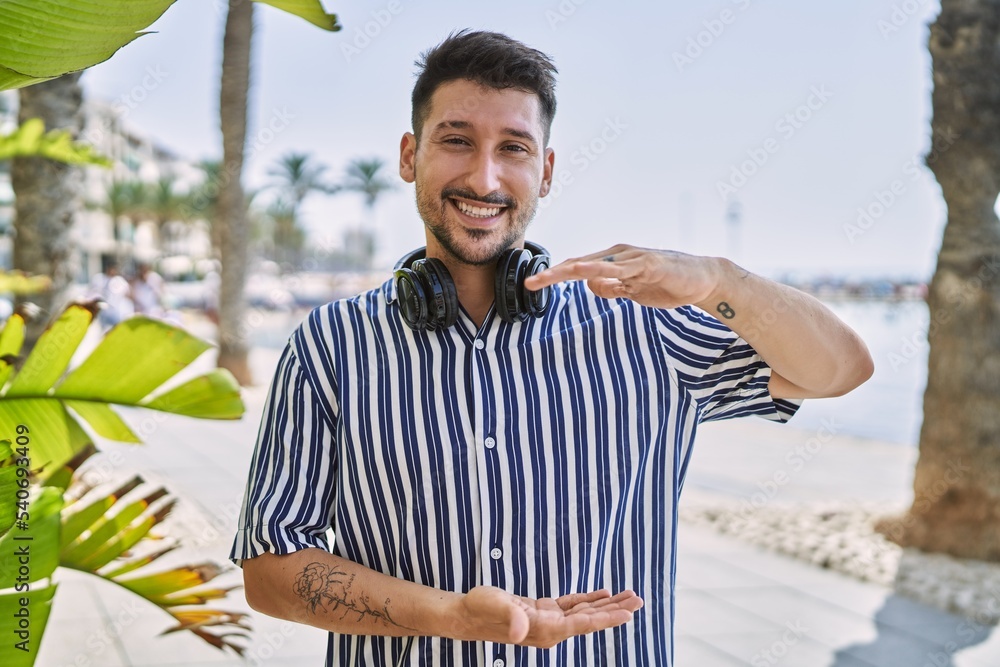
474	285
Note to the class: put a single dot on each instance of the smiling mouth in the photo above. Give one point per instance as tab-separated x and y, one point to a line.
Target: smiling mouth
484	211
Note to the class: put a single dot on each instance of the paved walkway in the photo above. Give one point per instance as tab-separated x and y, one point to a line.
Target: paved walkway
736	604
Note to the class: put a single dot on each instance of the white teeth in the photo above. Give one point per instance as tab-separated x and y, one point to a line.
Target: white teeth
476	211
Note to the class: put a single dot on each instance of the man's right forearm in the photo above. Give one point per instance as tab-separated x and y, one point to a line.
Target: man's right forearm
317	588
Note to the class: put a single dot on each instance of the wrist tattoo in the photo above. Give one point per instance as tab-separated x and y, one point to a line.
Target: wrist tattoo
328	589
726	310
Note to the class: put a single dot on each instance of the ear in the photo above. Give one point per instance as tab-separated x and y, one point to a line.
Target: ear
407	157
547	169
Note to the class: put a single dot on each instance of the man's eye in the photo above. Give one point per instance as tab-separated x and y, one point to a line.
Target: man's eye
514	148
455	140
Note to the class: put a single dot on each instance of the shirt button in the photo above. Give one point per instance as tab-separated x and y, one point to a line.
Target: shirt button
498	663
479	344
490	443
495	554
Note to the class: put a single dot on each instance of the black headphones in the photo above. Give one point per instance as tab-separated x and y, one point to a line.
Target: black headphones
429	300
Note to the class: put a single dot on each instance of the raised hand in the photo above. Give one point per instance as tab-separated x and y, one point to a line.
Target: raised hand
657	278
486	613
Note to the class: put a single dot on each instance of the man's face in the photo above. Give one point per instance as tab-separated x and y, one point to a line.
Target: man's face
479	170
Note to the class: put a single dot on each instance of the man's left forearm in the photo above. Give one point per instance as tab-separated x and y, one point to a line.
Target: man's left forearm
810	350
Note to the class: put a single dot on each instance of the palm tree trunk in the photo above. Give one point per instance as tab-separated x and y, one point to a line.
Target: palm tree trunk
47	196
233	346
956	507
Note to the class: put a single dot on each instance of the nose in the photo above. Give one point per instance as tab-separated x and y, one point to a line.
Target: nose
484	174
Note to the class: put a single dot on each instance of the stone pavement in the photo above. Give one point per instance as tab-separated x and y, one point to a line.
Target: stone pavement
736	604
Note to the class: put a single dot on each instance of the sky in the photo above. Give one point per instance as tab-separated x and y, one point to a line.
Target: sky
813	117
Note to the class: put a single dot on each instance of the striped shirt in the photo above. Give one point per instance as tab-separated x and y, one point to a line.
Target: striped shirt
543	457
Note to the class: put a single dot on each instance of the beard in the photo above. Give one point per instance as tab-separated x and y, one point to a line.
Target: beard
476	247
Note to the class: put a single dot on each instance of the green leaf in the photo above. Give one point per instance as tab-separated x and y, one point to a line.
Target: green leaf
83	552
43	39
39	605
9	79
99	545
136	357
48	361
135	563
310	10
39	535
105	421
18	282
11	340
31	140
76	519
215	394
172	581
55	436
8	486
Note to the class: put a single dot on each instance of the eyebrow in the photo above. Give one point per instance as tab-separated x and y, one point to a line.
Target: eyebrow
466	125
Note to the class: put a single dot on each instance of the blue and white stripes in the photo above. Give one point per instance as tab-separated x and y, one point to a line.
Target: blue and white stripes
543	457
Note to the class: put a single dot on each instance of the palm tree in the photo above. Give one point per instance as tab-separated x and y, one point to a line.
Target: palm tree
365	175
47	196
232	205
166	206
287	234
956	507
297	175
127	201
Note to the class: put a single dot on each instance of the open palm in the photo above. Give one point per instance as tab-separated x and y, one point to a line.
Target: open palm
494	615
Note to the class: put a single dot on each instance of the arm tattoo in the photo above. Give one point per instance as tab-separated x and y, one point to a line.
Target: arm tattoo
726	310
329	589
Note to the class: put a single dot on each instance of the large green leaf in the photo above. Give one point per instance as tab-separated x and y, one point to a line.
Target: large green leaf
43	39
21	650
105	421
55	436
215	394
29	551
31	140
8	486
128	367
11	340
107	536
52	353
20	282
310	10
136	357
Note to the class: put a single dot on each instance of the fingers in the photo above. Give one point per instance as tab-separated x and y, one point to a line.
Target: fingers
567	602
577	614
627	600
586	268
564	270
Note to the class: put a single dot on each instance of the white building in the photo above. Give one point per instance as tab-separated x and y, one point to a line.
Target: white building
94	234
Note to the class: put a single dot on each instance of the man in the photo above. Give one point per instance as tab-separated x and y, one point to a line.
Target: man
495	487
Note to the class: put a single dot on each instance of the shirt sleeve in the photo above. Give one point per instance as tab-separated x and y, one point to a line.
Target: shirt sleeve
291	486
724	375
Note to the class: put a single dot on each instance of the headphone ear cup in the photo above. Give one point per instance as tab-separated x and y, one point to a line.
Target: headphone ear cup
441	294
507	284
535	303
412	297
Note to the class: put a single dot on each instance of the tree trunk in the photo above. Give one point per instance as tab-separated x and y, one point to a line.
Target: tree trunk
47	196
233	219
956	507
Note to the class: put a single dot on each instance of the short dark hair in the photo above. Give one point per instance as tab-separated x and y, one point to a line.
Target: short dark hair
493	61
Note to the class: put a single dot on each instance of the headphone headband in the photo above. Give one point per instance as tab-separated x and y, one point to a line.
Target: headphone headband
428	298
